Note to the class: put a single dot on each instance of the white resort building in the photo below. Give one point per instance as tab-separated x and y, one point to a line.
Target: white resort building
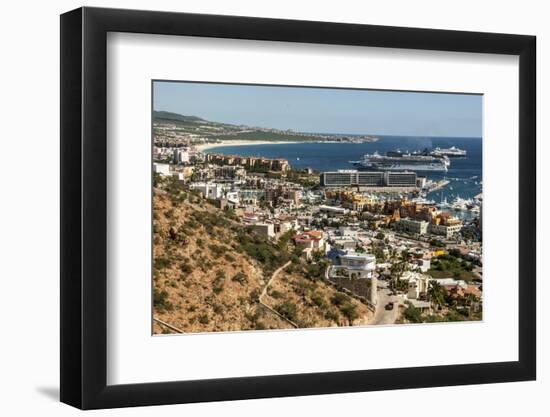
357	265
418	284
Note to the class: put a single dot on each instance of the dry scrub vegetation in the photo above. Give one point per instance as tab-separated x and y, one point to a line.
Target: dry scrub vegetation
209	271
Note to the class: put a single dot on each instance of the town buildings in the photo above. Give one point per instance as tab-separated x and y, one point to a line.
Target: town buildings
249	162
446	230
162	169
419	227
354	178
180	155
418	284
356	265
210	190
357	223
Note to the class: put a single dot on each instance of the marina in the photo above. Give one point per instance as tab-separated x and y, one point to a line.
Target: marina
450	167
462	178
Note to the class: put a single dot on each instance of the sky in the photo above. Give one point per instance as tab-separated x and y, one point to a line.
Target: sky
325	110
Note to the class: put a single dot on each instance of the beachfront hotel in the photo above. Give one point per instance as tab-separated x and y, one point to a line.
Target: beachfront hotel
354	178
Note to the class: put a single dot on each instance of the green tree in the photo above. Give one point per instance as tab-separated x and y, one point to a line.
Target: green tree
438	294
412	314
349	310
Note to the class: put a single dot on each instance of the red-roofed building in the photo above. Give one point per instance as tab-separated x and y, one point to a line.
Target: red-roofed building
472	290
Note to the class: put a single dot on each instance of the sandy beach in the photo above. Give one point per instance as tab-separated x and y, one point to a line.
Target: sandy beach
206	146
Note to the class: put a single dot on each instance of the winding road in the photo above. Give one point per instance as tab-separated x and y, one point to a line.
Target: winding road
381	315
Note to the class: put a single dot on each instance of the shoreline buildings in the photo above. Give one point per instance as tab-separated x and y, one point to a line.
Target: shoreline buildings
364	217
365	179
249	162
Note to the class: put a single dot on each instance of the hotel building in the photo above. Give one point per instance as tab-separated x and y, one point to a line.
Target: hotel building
353	178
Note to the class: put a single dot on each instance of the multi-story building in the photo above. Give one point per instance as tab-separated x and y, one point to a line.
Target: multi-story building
229	171
180	156
342	178
353	178
294	195
210	190
249	162
162	169
264	229
310	240
445	230
358	265
343	243
418	284
400	179
419	227
282	227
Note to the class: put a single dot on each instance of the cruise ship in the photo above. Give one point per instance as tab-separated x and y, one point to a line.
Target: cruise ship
452	152
402	161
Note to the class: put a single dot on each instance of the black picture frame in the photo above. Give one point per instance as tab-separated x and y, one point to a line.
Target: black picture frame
84	207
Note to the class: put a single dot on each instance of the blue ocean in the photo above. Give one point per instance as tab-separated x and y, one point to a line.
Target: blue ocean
464	174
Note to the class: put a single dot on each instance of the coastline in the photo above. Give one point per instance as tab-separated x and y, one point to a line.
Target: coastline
207	146
325	158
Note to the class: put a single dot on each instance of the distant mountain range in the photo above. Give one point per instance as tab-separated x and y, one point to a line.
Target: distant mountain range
226	131
175	117
181	119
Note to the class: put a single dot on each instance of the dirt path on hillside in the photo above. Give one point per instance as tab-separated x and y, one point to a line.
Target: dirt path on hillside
264	291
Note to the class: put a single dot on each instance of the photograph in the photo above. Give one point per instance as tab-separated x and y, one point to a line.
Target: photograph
275	209
293	207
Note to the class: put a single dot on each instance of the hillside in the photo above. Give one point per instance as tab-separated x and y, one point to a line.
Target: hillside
209	272
196	126
313	302
160	116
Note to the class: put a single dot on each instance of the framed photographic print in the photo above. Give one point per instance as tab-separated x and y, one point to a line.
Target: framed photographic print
257	208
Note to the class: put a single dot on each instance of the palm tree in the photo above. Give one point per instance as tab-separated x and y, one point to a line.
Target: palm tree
396	270
437	294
